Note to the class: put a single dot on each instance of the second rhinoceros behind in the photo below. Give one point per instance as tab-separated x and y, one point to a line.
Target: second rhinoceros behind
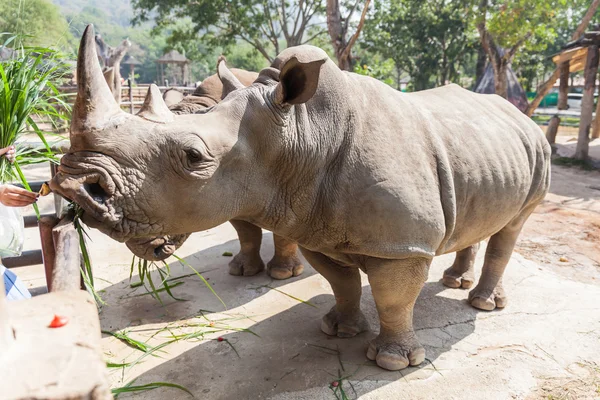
360	175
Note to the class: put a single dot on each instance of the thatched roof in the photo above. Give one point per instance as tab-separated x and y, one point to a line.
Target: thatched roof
173	57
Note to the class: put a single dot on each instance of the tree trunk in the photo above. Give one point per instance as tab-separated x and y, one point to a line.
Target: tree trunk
563	89
480	68
338	30
500	77
587	103
546	86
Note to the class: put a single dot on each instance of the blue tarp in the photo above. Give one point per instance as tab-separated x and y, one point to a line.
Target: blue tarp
15	288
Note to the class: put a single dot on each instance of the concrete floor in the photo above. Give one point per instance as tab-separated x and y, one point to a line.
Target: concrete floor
544	344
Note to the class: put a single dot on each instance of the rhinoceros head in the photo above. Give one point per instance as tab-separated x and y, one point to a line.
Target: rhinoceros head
140	177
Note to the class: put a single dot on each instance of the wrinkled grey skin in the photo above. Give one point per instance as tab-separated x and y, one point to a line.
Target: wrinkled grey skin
360	175
285	262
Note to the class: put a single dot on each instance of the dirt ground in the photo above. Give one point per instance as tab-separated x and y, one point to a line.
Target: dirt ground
544	345
564	232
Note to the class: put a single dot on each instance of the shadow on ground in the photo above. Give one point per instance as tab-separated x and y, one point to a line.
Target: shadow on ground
290	352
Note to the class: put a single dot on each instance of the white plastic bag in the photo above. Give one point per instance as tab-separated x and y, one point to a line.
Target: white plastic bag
12	232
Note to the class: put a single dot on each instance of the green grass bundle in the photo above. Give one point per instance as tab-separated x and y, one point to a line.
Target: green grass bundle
28	94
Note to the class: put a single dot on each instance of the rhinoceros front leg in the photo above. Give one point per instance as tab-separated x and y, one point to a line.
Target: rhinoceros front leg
247	262
396	284
462	271
285	262
345	318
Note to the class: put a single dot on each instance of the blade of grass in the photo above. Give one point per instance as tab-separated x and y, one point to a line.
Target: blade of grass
149	386
133	343
308	303
181	260
26	184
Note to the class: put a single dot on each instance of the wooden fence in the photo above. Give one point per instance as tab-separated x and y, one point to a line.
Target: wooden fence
132	96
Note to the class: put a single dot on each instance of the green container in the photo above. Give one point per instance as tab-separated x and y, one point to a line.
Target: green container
550	100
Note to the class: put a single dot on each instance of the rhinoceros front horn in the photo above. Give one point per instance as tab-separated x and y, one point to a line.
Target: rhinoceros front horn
95	104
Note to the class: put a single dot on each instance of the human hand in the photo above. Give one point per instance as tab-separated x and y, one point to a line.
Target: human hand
13	196
9	153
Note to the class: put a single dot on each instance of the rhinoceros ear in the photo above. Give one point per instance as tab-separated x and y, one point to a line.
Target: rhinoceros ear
298	81
154	108
228	79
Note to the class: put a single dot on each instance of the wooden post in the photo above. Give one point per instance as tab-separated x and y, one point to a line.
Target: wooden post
46	223
552	130
587	103
66	274
596	123
130	95
563	89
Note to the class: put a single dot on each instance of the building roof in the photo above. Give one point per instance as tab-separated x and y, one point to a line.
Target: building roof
131	60
173	57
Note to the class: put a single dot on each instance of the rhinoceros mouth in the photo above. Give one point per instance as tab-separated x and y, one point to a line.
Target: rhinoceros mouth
82	180
156	248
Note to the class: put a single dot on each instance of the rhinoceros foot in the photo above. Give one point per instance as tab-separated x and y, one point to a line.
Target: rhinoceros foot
462	272
341	325
246	264
285	267
484	298
455	279
394	353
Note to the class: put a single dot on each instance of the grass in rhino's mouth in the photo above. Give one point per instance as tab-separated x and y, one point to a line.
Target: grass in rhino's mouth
144	268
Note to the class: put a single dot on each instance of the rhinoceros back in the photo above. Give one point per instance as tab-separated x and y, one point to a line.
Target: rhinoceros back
493	163
439	170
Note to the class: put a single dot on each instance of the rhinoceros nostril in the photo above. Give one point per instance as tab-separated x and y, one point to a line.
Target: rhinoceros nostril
96	192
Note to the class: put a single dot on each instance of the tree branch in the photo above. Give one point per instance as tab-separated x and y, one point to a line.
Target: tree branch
284	21
359	28
511	53
314	36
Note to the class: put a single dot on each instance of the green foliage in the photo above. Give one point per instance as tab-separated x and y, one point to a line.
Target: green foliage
37	22
222	23
426	39
509	21
28	94
375	68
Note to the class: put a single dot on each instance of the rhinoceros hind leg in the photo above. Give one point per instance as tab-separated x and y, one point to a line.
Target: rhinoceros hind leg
345	319
396	285
462	272
247	262
285	262
489	293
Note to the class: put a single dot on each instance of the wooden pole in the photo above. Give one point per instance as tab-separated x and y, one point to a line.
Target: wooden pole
46	224
596	123
596	126
563	89
552	130
130	95
587	103
66	274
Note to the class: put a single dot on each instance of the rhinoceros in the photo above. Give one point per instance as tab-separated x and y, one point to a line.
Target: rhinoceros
361	176
285	262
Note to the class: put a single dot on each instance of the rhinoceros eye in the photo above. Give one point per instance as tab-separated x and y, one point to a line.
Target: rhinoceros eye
193	155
